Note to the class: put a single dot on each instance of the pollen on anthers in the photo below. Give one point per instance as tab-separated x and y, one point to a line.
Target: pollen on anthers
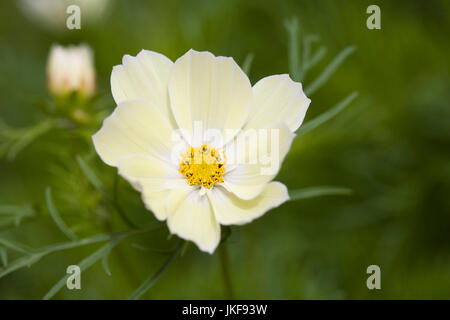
203	166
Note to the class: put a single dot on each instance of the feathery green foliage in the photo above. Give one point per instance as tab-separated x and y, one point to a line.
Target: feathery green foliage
389	144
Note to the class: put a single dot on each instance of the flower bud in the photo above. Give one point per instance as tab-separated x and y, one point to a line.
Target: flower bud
71	69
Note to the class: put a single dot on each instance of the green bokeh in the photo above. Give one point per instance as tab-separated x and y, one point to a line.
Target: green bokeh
391	147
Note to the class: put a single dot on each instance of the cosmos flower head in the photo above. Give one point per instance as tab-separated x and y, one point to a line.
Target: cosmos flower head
199	142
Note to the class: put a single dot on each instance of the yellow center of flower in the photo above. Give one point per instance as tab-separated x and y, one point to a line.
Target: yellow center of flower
203	166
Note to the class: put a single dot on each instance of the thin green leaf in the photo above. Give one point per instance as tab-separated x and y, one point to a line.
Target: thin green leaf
90	175
4	256
16	246
11	209
312	124
84	264
101	253
36	254
13	215
293	48
185	248
305	55
329	70
55	215
75	244
105	263
314	60
247	64
29	135
313	192
147	284
306	48
24	261
154	250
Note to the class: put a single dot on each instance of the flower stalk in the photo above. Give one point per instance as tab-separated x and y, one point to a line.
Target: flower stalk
225	267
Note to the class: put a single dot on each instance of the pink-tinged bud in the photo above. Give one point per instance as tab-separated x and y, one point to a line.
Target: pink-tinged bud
71	69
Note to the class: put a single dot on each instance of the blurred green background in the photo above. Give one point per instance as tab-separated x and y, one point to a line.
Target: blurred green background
391	146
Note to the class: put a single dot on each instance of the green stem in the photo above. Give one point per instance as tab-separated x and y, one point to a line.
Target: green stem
225	266
152	279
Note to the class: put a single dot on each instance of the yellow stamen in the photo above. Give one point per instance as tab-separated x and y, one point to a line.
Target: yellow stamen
203	166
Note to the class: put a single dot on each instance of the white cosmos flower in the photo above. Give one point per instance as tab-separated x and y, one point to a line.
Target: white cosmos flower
156	97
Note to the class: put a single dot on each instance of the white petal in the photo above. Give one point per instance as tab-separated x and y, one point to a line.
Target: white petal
194	220
144	76
163	202
278	99
209	90
156	202
158	181
135	127
149	173
230	209
177	196
247	179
